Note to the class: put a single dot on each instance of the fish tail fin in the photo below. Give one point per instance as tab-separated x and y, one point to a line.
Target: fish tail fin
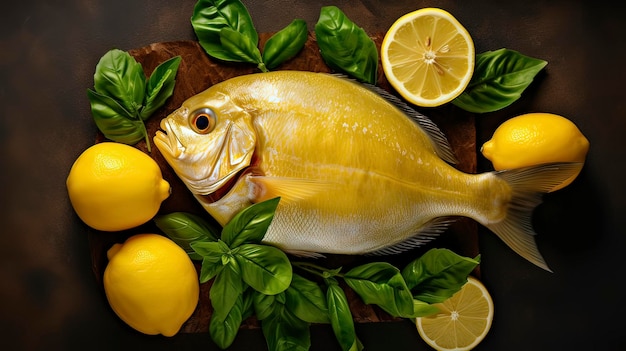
528	186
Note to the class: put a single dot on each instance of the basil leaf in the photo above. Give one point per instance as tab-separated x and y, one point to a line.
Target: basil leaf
160	86
341	317
284	331
265	268
226	289
438	274
285	44
263	304
185	229
240	47
345	46
498	80
119	76
382	284
211	16
306	300
112	119
250	225
423	309
224	327
211	267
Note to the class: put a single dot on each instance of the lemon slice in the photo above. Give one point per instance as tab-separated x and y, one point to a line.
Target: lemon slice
463	322
428	57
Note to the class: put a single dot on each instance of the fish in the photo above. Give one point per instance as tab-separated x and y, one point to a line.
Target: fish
358	171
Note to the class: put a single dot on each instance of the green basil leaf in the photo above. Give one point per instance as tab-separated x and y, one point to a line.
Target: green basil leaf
498	80
345	46
382	284
249	226
285	44
423	309
240	47
340	315
306	300
160	86
265	268
185	229
438	274
224	327
211	267
264	305
284	331
211	16
119	76
226	289
113	120
248	303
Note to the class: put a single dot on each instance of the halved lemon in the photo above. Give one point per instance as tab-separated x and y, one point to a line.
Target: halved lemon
463	322
428	57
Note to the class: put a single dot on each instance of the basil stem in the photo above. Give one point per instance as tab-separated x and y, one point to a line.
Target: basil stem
285	44
498	80
346	47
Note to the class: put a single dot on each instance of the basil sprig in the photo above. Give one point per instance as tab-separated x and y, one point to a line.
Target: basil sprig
226	32
346	47
498	80
250	278
122	99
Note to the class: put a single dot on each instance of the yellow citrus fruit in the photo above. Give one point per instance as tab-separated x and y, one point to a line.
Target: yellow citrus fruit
151	284
428	57
114	187
463	322
536	138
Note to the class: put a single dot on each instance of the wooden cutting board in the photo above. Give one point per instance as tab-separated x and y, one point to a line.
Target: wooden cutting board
196	73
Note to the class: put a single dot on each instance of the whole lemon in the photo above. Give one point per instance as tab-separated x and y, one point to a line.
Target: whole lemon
151	284
114	187
536	138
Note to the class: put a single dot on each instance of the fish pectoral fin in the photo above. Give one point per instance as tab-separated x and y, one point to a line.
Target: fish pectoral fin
429	232
289	189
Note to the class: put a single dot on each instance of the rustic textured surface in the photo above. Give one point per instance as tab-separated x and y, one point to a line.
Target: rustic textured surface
196	73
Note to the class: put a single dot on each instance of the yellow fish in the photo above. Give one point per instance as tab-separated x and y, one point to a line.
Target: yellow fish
357	170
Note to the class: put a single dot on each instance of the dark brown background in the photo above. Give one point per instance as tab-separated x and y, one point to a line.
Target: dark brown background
50	300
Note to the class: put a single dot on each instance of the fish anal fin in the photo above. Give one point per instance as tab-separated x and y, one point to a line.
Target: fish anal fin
429	232
288	189
304	254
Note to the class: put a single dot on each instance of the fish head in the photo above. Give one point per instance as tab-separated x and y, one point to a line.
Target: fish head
207	141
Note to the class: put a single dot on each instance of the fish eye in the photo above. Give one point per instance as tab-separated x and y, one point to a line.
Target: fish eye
203	121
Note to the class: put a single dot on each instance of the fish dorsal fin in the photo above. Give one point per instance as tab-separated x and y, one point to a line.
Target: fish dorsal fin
430	231
442	146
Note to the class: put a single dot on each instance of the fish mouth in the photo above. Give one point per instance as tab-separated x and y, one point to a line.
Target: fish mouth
167	141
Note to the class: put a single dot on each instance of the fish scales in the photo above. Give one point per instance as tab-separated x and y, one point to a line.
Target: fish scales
355	173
